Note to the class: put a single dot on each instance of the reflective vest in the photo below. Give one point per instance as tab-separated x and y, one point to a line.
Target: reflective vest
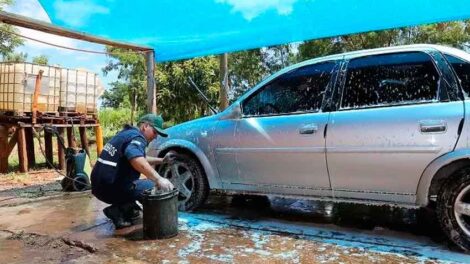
113	168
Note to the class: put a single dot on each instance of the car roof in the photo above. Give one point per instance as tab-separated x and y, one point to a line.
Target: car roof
384	50
362	53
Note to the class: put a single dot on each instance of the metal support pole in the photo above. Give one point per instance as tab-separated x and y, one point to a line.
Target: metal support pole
99	139
151	88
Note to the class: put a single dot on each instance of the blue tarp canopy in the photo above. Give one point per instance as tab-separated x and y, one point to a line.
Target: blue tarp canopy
180	29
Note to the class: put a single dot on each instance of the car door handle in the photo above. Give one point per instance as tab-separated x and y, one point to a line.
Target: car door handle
308	129
433	126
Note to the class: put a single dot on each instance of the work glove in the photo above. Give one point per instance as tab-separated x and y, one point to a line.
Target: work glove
164	184
169	158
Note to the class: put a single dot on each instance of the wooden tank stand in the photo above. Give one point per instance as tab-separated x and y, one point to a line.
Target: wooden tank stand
16	130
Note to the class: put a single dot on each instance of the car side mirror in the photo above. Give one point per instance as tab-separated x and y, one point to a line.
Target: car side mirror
233	112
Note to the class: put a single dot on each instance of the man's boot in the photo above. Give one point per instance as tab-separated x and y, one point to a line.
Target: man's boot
131	212
114	213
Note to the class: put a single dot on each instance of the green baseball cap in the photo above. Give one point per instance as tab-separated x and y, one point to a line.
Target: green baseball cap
156	121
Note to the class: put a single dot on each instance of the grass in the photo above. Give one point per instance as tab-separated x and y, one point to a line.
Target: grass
16	177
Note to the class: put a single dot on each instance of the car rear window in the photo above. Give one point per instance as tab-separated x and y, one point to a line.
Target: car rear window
462	69
390	79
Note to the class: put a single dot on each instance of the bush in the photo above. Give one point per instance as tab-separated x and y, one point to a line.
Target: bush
113	120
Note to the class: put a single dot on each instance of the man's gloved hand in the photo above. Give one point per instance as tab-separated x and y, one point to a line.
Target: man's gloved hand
169	158
164	184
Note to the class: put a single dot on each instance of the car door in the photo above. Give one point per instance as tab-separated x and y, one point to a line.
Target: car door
280	143
395	116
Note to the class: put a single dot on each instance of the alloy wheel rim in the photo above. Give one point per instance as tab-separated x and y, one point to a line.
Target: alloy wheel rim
182	178
462	210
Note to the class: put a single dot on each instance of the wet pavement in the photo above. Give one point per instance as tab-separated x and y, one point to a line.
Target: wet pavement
72	229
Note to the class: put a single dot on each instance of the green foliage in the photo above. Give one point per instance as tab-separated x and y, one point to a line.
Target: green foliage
8	41
318	48
177	100
131	87
454	34
41	60
247	68
113	120
117	96
16	57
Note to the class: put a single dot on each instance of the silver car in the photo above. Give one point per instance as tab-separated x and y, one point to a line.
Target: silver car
384	126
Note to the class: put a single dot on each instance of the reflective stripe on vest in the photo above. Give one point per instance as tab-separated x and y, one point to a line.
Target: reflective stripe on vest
107	162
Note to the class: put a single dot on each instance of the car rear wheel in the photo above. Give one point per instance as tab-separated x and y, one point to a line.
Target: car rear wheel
188	177
453	208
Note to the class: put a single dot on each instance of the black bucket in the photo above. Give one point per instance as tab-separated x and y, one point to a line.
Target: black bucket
160	214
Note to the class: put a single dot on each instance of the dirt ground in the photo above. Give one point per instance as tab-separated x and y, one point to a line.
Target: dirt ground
41	224
14	180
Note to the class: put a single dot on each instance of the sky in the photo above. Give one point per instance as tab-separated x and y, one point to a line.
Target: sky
63	57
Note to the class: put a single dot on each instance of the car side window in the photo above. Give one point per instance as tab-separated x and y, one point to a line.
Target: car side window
462	69
300	90
390	79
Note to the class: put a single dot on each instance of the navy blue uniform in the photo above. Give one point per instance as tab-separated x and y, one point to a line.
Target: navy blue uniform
113	179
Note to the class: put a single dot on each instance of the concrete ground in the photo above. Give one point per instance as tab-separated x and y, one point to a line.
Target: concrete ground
70	228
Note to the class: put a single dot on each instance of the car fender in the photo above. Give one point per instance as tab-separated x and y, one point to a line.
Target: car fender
422	193
212	176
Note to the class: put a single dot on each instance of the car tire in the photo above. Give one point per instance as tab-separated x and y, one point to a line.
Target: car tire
453	195
186	174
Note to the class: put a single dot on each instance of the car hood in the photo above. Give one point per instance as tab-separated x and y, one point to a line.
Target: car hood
192	131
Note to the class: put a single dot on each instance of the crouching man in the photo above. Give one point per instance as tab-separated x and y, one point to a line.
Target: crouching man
115	177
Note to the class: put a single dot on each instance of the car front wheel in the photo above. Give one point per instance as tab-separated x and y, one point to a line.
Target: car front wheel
188	177
453	208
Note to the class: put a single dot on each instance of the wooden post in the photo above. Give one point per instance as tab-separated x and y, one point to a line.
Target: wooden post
84	139
223	91
151	88
71	142
3	149
30	146
48	150
99	139
60	151
22	152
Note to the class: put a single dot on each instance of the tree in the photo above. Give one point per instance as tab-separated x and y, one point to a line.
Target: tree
175	96
318	48
117	96
275	58
131	72
454	34
8	41
41	60
16	57
247	68
176	99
